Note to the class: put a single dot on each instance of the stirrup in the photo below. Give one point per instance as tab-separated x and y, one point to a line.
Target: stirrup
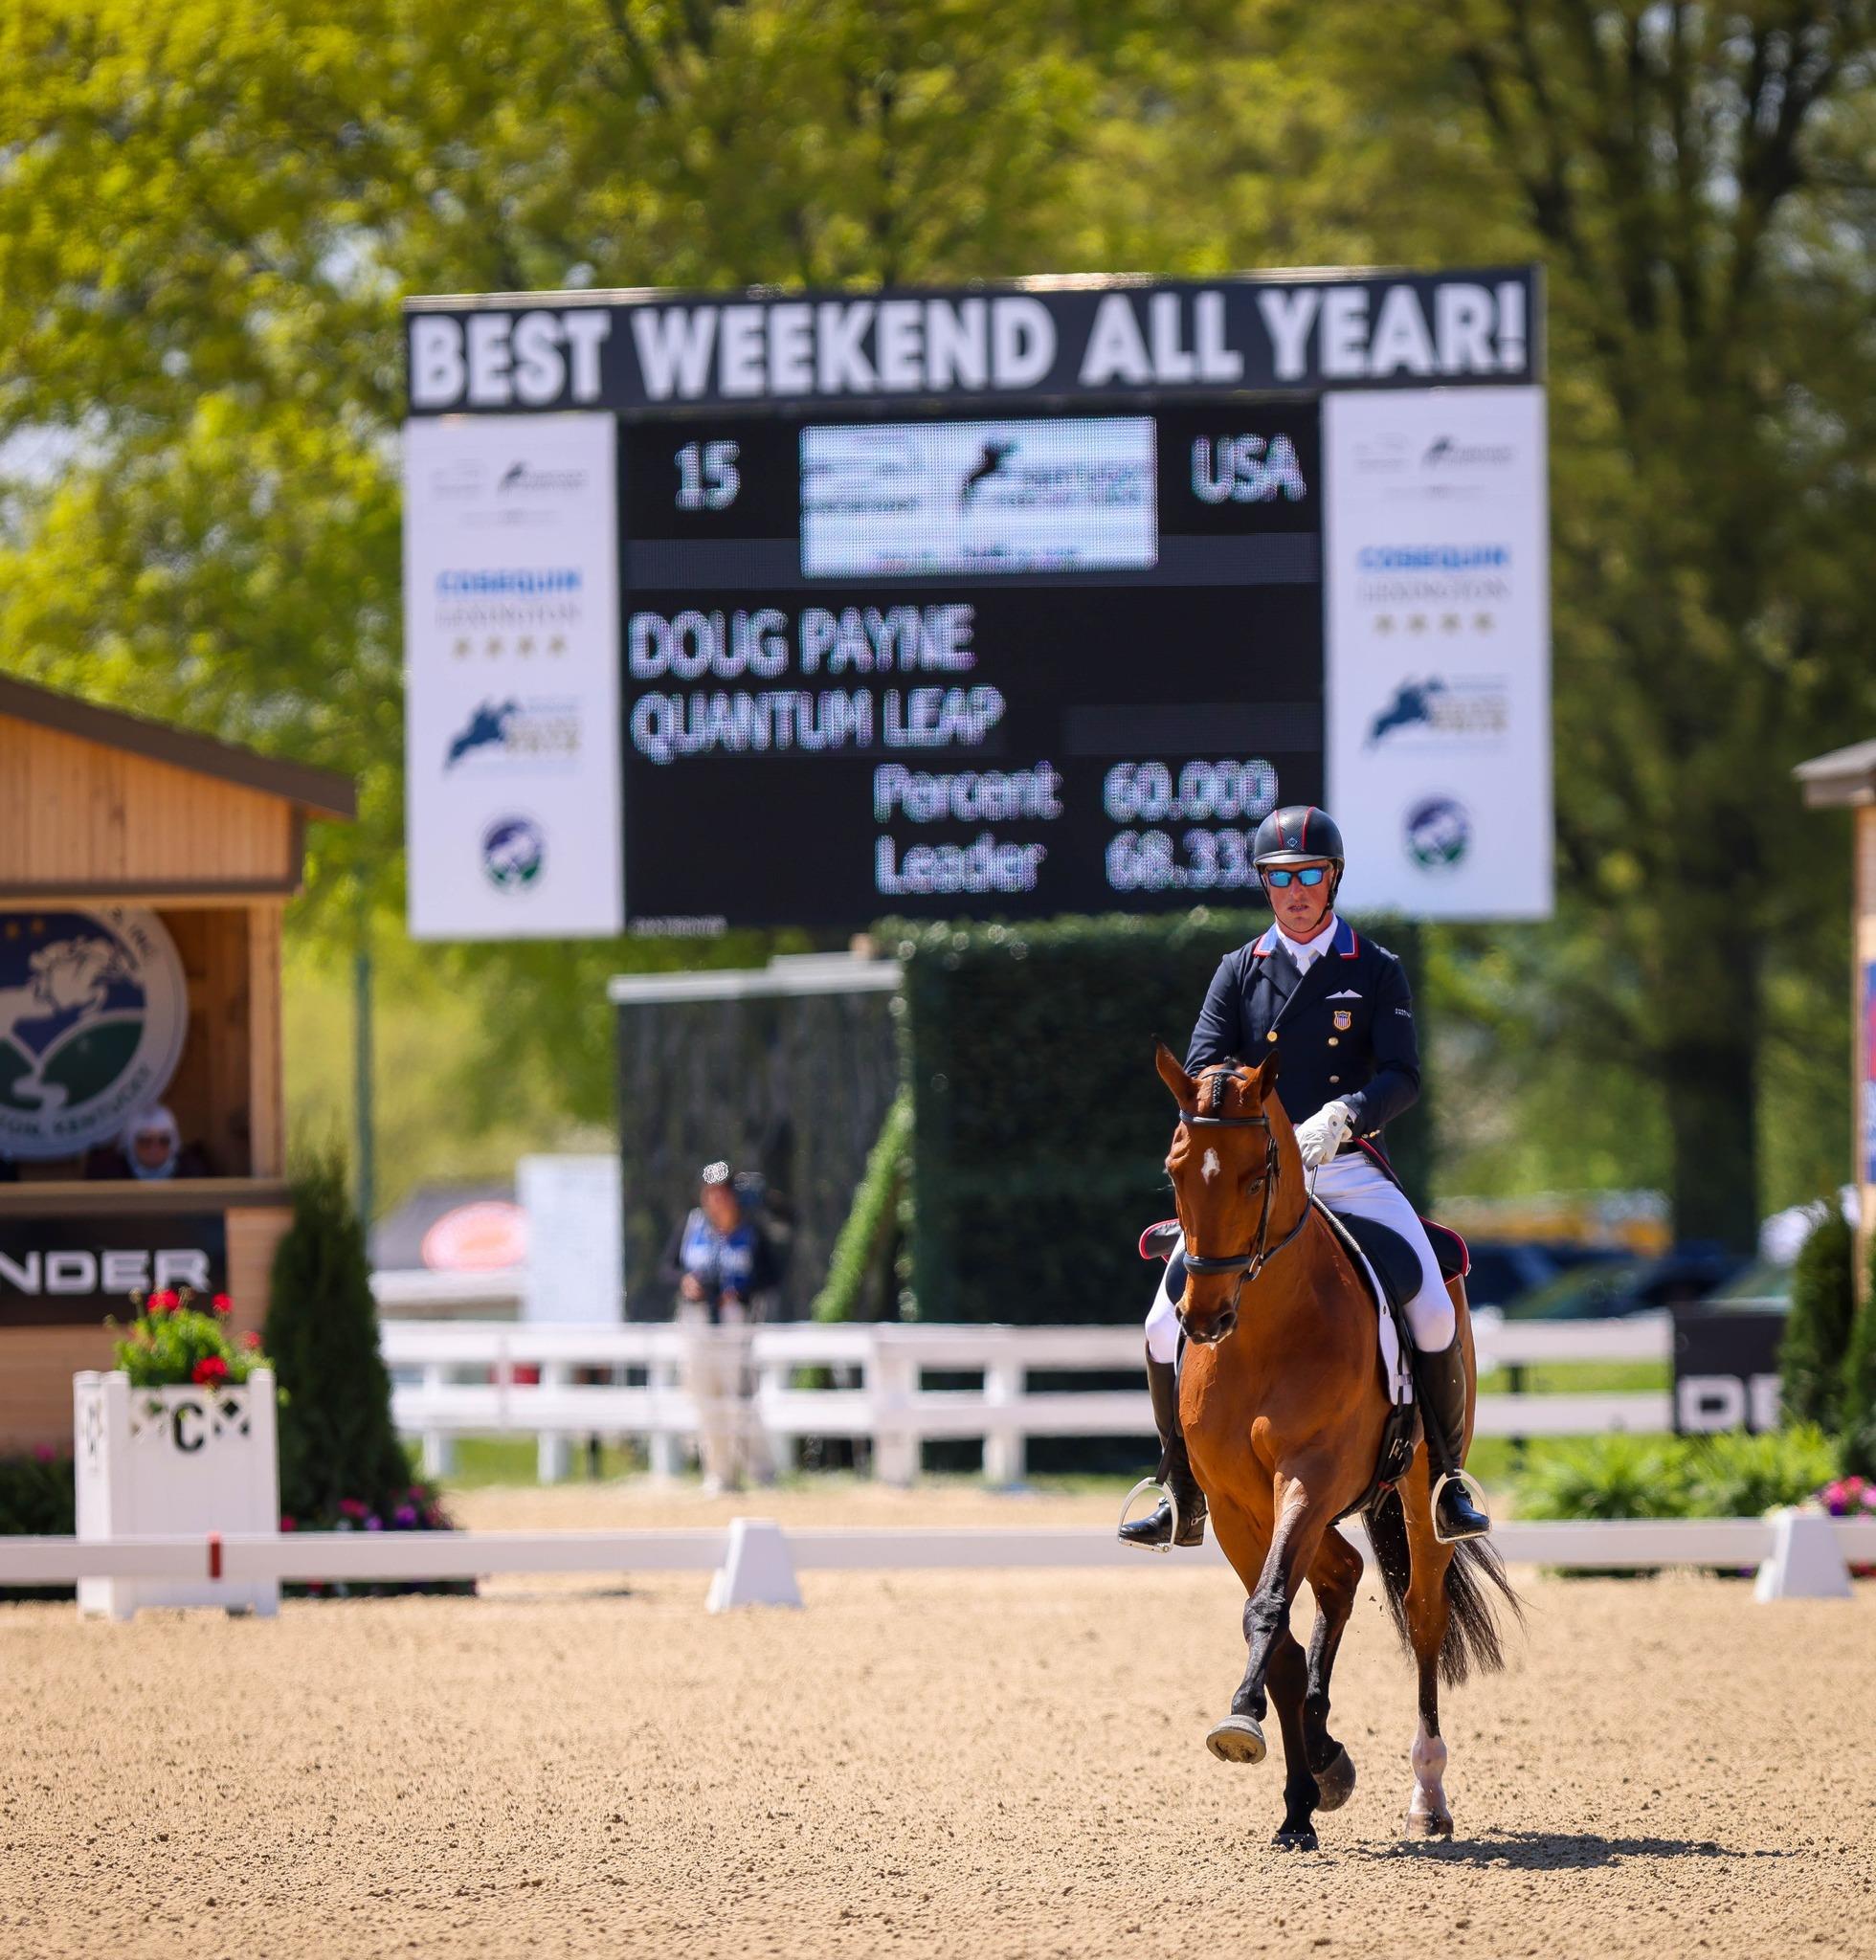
1473	1489
1171	1503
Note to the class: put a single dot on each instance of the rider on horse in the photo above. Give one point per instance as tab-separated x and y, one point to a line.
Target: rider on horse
1342	1005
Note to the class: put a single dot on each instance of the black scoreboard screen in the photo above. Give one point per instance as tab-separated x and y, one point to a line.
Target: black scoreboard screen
1021	666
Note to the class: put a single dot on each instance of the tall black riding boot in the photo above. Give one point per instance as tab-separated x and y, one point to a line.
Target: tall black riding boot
1442	1379
1174	1470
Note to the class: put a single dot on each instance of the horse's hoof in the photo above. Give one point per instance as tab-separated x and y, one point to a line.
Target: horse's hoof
1427	1824
1335	1782
1287	1839
1237	1739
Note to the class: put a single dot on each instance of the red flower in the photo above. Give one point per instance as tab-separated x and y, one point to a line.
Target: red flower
165	1301
250	1340
209	1371
223	1304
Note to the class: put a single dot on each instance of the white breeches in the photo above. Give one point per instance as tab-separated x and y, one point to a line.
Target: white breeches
1349	1183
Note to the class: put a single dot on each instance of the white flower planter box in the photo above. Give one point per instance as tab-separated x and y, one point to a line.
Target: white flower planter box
160	1463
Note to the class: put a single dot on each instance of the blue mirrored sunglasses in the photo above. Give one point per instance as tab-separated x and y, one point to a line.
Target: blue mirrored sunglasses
1310	874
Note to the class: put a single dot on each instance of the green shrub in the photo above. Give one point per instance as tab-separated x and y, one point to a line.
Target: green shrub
1857	1408
38	1496
338	1447
1817	1329
1739	1475
861	1272
1607	1477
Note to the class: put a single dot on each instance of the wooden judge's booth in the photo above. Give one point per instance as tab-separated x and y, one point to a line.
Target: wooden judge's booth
142	876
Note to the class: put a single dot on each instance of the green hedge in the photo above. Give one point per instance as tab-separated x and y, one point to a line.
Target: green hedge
1816	1335
1857	1410
1039	1126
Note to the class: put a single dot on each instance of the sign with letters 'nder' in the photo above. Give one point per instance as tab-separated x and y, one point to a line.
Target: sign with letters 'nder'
73	1271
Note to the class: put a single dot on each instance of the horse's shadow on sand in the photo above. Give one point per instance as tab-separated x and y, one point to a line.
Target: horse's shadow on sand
1554	1851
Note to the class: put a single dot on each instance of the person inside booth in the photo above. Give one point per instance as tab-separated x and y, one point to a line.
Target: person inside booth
151	1148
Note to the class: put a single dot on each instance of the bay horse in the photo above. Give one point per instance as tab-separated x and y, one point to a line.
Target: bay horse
1283	1400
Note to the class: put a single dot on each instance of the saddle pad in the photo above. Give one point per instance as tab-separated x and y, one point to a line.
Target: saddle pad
1394	1364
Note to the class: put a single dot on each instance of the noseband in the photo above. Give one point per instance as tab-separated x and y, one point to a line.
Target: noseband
1247	1265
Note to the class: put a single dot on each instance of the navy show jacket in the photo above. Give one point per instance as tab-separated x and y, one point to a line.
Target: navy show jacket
1345	1027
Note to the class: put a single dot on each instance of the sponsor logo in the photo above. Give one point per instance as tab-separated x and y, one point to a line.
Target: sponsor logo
1448	453
988	497
93	1011
1420	713
1465	581
495	608
452	482
1438	833
525	581
517	734
1432	557
522	479
514	852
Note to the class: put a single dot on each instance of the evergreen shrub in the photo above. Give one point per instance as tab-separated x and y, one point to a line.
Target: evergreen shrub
1857	1407
1817	1329
340	1462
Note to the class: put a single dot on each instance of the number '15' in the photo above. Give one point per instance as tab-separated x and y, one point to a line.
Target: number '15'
707	476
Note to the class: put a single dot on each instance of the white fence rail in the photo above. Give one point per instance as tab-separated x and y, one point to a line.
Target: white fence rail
410	1556
562	1384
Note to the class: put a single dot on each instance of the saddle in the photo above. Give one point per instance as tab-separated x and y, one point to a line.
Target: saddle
1378	1254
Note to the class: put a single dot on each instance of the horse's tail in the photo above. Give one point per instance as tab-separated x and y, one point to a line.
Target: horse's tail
1473	1574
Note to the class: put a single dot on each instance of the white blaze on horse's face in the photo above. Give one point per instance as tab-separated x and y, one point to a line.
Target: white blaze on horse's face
1209	1169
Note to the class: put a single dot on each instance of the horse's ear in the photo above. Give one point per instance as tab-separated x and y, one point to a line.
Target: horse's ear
1265	1073
1172	1075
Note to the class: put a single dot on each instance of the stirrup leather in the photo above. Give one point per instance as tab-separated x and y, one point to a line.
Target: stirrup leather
1473	1489
1171	1503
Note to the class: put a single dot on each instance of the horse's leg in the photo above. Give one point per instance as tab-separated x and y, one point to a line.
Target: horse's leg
1288	1677
1294	1541
1427	1814
1332	1579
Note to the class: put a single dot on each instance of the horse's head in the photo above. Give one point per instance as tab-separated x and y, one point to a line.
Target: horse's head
1224	1161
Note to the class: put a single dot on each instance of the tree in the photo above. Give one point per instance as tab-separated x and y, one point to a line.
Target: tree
1817	1329
336	1437
1859	1395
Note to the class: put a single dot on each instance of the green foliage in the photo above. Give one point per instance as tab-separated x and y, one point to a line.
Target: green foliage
861	1270
38	1496
337	1443
1039	1125
1818	1328
1607	1477
1729	1475
1857	1408
1740	1476
172	1342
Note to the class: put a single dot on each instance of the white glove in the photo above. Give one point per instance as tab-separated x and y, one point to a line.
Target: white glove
1324	1134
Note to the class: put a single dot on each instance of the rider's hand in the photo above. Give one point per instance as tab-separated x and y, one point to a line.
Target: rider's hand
691	1286
1324	1134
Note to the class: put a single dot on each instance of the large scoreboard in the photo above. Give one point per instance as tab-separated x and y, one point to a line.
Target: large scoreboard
1004	604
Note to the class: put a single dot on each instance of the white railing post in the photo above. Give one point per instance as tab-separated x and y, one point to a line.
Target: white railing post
894	1381
552	1447
1006	1448
664	1446
439	1444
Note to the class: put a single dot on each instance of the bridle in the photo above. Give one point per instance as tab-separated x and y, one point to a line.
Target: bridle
1247	1265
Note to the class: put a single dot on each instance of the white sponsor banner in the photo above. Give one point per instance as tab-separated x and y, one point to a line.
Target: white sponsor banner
575	1238
893	500
1437	656
511	677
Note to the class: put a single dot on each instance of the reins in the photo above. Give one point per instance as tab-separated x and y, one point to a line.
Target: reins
1246	1264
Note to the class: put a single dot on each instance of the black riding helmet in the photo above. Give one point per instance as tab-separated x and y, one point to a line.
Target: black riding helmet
1298	833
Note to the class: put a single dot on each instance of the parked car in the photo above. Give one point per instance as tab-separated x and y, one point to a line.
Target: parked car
1507	1269
1612	1289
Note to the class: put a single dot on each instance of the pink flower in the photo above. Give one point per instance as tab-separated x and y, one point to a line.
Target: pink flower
350	1507
375	1523
44	1452
287	1525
